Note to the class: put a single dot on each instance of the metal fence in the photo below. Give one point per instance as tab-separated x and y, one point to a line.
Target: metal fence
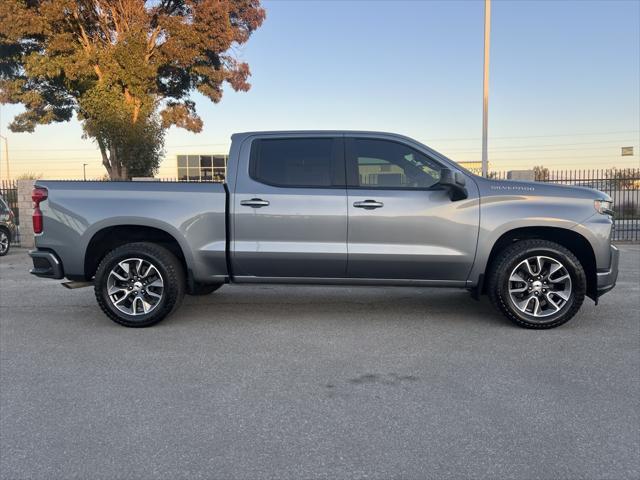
622	185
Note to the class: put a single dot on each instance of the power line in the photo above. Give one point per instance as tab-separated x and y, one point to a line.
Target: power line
96	148
520	148
542	136
430	139
531	149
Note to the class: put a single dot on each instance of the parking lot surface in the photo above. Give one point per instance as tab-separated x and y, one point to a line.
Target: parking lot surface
285	382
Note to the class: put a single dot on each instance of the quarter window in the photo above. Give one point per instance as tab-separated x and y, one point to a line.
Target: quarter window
294	162
387	164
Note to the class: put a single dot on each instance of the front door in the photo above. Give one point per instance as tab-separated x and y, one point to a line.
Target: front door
402	224
289	209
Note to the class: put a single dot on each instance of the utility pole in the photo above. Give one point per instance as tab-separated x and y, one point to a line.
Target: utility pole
84	171
6	154
485	87
6	146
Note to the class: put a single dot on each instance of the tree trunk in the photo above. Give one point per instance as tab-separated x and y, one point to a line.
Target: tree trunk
111	163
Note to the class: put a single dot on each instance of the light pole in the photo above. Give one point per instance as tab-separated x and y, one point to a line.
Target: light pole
6	145
84	171
6	154
485	87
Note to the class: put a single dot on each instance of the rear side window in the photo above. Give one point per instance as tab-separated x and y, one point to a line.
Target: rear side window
3	206
297	162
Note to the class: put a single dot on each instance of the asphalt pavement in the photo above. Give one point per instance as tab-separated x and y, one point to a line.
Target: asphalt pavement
282	382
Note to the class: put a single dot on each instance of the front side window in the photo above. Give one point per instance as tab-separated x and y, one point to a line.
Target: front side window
294	162
388	164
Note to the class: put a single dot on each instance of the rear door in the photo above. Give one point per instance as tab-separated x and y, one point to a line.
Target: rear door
289	208
402	224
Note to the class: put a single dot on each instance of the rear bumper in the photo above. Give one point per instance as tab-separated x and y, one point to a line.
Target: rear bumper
46	264
607	279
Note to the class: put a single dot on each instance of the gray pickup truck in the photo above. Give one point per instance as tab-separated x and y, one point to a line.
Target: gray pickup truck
328	207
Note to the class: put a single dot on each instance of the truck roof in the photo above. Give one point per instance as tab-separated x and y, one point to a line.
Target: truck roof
322	132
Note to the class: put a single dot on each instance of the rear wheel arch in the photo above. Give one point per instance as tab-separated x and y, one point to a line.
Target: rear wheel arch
571	240
112	237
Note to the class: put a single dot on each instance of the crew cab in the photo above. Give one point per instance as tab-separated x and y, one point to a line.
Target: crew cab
328	207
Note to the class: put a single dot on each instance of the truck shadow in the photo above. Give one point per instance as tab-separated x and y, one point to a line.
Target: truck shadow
345	304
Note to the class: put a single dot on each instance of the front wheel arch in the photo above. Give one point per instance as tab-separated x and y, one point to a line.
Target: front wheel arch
569	239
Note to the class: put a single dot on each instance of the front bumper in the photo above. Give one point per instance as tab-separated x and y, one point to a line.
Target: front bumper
607	279
46	264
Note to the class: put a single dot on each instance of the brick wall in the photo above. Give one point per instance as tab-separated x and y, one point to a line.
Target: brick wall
25	207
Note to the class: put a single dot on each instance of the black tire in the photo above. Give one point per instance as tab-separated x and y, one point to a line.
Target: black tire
5	249
505	263
168	266
204	289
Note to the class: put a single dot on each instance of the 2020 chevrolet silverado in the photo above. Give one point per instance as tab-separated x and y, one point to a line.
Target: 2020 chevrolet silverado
322	207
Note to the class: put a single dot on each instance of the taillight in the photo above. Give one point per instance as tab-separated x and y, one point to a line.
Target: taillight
38	195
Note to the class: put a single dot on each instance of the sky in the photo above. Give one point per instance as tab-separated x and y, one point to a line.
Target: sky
564	84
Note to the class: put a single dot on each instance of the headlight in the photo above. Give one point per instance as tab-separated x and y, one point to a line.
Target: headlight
603	207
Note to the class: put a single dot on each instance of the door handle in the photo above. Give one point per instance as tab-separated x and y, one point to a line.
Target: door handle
254	203
368	204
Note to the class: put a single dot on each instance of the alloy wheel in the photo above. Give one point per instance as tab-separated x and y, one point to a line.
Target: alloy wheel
540	286
135	286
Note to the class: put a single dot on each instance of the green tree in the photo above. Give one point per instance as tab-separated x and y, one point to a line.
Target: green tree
29	176
125	68
623	179
540	173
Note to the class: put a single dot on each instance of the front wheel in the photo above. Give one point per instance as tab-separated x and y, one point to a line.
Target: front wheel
139	284
537	284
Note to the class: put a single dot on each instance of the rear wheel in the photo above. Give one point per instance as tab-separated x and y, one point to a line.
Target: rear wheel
5	243
139	284
537	284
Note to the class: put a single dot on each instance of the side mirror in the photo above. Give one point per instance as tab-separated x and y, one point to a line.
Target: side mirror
455	182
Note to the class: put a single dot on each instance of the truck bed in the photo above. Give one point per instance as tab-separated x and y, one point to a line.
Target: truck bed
193	213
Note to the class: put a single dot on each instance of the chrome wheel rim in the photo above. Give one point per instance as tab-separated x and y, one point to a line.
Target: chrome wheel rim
540	286
135	286
4	242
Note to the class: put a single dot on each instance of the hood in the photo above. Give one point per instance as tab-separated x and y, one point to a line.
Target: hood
490	187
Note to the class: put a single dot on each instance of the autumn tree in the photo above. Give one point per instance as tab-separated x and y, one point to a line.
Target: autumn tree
125	68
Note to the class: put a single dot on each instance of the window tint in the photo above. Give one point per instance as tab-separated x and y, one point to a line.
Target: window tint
387	164
293	162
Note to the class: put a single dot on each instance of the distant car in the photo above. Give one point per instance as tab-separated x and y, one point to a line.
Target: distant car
7	227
